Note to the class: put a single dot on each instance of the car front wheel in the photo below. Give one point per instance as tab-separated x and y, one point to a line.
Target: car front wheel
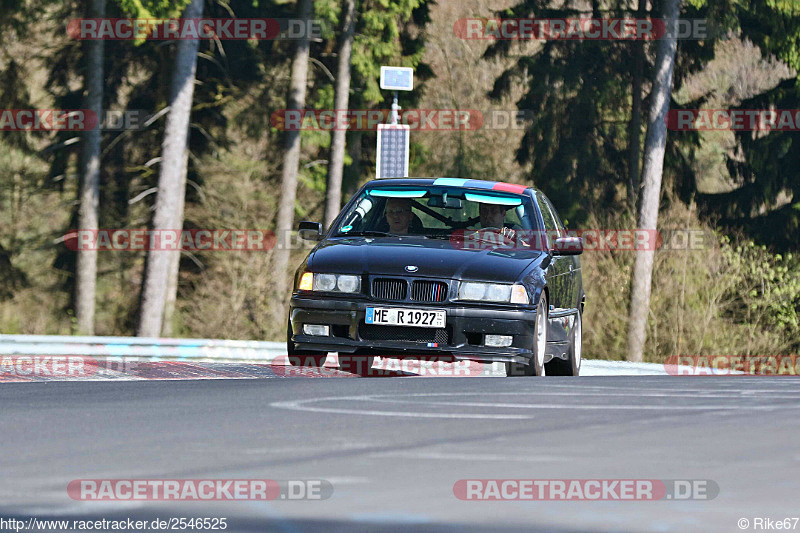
572	366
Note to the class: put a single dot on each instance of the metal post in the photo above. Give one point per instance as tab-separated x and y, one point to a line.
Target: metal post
395	110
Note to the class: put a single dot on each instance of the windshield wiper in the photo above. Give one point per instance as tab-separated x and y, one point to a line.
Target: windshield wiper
367	233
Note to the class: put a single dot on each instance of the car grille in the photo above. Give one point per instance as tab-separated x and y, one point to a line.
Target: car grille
371	332
428	291
389	289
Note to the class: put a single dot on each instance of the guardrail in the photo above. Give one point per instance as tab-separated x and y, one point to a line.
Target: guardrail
227	351
141	347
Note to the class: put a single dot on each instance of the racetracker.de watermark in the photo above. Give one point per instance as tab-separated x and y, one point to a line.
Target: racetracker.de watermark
133	240
76	367
733	119
47	119
257	240
578	29
415	119
384	366
232	29
733	365
591	240
71	120
585	489
47	366
198	489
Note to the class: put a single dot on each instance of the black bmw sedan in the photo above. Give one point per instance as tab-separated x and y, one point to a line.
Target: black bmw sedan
441	268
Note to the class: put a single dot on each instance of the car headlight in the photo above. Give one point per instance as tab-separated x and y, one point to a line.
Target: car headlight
493	292
498	293
348	283
324	282
311	281
472	291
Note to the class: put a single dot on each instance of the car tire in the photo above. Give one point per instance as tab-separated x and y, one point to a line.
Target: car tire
536	366
356	364
572	365
303	357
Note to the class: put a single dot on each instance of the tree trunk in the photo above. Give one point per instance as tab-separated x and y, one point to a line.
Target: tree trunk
655	145
291	161
86	269
161	271
333	201
167	326
352	174
635	126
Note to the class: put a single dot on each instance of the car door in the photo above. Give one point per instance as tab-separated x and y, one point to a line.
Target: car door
559	274
573	263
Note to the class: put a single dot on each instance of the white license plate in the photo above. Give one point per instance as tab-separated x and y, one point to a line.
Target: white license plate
418	318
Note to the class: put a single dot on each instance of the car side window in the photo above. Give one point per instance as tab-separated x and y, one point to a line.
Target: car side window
554	213
552	224
547	215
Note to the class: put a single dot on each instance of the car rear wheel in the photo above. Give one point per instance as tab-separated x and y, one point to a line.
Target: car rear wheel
572	365
303	357
536	365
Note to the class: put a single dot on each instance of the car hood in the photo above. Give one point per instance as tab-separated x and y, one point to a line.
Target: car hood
434	258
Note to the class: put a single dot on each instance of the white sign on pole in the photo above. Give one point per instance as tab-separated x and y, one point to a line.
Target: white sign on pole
397	78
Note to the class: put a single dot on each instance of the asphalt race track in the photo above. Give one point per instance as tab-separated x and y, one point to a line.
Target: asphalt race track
394	448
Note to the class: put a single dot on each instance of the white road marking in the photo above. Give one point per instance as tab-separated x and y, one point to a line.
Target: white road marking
580	406
466	457
700	394
300	405
303	405
403	517
338	481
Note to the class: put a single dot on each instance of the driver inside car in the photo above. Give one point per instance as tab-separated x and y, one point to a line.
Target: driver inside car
493	216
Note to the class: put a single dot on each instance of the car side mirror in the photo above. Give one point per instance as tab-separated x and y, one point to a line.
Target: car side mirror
568	246
310	231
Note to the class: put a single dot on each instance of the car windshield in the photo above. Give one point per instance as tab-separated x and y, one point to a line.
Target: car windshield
433	211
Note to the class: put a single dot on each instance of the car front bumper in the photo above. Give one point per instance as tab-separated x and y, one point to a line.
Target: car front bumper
461	339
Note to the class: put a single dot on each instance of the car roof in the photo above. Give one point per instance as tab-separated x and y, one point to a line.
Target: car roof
456	182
